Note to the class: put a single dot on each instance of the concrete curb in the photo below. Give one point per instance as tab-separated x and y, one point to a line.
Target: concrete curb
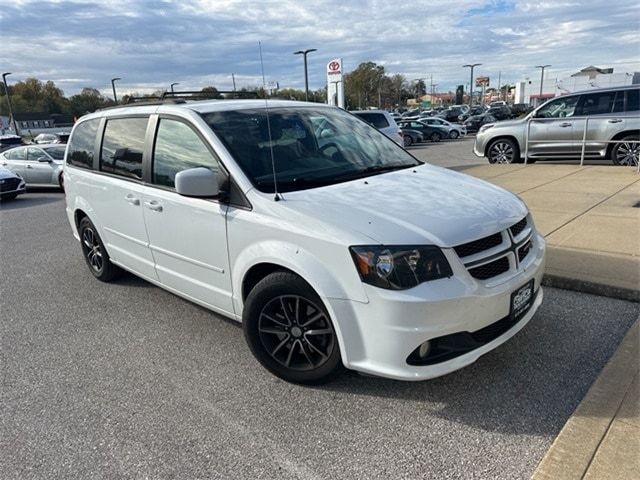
594	288
572	452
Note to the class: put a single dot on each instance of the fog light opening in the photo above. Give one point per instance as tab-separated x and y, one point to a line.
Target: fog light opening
424	349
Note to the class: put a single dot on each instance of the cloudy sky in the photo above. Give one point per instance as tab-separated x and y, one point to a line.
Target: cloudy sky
202	42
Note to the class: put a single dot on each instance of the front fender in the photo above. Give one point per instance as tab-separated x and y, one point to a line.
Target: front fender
326	282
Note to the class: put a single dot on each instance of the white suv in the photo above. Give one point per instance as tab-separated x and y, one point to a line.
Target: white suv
330	243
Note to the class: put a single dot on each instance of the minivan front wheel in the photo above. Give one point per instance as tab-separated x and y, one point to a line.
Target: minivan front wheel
95	254
289	330
503	150
626	153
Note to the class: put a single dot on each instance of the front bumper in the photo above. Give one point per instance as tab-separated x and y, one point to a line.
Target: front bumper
21	188
479	144
377	337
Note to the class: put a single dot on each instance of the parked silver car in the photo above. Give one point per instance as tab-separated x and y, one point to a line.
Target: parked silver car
557	127
37	164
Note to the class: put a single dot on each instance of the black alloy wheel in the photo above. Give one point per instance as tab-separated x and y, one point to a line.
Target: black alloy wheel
289	331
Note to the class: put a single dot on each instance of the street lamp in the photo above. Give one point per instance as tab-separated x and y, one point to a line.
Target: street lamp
304	53
541	67
113	86
174	83
472	66
6	91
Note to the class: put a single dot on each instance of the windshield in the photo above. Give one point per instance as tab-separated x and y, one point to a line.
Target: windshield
311	147
57	153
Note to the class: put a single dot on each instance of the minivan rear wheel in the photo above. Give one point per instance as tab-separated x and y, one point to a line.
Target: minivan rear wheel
626	153
95	254
289	330
503	150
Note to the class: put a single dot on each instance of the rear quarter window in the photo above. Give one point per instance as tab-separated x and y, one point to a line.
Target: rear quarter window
82	144
633	101
122	146
378	120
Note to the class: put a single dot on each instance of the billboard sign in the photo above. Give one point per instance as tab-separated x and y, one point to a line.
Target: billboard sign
482	81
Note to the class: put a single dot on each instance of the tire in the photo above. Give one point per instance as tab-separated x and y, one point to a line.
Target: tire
61	181
503	150
95	254
279	315
435	137
407	141
454	134
625	153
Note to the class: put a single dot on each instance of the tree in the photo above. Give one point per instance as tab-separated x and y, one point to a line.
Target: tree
363	86
87	101
210	92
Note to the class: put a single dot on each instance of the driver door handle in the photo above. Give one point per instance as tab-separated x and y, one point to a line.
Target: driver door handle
132	200
153	205
29	166
565	124
615	120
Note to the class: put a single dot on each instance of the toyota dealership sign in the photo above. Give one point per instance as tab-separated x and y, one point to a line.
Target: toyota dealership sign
335	83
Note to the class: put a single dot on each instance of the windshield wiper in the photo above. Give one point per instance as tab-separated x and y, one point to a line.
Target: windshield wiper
372	170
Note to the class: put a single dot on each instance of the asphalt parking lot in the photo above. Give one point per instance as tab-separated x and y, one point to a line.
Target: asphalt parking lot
125	380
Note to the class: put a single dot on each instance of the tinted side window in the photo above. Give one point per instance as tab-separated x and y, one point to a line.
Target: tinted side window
122	147
596	103
177	148
378	120
618	103
34	153
633	101
82	144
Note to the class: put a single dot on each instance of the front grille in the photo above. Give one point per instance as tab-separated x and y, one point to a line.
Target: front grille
524	251
518	227
477	246
9	184
490	270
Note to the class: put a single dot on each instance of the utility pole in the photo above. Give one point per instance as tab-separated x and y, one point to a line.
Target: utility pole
472	66
113	86
233	77
6	91
499	90
541	67
304	53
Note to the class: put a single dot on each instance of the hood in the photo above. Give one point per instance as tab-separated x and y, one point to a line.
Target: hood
422	205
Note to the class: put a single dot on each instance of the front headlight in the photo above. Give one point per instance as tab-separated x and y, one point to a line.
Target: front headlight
400	267
486	127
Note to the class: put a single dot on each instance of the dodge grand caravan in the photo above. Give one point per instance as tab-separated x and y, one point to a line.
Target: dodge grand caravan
332	245
557	127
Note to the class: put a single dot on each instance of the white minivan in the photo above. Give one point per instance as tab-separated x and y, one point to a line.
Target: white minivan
332	245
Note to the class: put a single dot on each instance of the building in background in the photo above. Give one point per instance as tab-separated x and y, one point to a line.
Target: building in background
588	78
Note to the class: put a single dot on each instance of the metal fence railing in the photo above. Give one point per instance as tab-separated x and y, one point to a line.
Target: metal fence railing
569	121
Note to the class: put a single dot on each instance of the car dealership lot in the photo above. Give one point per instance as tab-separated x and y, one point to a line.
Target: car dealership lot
127	380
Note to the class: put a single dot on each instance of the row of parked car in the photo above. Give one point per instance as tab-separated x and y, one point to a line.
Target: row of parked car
37	164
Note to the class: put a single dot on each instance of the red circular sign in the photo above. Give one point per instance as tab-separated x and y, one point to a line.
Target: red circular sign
334	66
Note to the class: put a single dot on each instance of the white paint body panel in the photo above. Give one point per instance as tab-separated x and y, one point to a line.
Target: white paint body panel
202	250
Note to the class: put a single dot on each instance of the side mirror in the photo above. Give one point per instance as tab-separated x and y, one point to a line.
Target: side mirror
44	159
197	182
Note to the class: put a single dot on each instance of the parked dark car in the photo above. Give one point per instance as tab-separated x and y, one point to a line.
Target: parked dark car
451	115
520	109
10	141
411	137
500	112
474	122
432	132
477	110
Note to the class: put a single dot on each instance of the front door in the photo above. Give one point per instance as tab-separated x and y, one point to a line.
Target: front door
551	130
187	236
38	171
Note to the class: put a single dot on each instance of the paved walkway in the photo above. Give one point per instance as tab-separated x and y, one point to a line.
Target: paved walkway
590	217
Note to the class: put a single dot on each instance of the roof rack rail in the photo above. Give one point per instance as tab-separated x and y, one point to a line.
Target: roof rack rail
199	95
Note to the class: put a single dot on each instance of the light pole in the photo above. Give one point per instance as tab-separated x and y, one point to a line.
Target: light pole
304	53
113	86
472	66
174	83
541	67
6	90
